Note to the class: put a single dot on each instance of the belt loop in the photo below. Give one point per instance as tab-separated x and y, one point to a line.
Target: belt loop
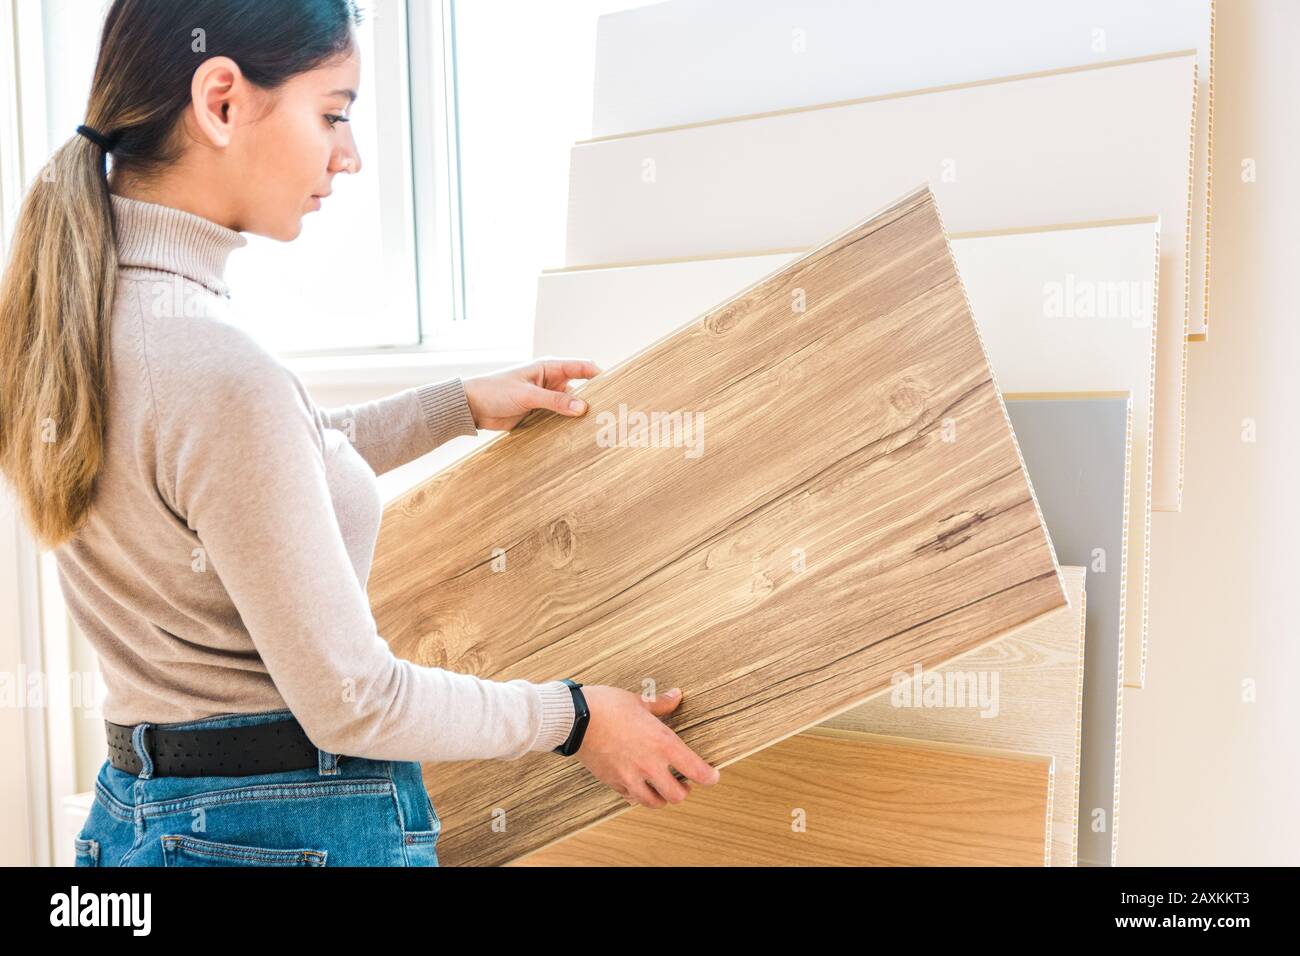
137	741
327	764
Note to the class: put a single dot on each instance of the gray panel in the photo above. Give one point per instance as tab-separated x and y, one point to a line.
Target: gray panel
1075	450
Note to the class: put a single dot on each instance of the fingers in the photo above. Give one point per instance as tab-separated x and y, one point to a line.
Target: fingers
667	786
692	765
561	402
562	369
653	766
641	792
658	788
664	703
556	373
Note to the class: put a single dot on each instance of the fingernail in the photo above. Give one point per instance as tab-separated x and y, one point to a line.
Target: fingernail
575	406
673	693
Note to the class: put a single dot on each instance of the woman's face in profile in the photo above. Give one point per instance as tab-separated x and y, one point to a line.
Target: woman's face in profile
289	155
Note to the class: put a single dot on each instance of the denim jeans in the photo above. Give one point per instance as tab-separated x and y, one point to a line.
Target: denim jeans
346	811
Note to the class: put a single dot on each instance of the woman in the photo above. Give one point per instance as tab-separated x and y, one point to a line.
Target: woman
214	528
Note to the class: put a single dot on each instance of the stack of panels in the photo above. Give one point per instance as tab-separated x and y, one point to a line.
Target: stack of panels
1082	145
1023	692
630	562
731	137
672	64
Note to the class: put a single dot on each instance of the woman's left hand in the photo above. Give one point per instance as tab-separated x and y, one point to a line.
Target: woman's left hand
500	400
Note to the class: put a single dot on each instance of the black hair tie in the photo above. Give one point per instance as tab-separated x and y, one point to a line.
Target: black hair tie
105	143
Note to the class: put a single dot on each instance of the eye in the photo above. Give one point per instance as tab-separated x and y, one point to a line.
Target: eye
333	118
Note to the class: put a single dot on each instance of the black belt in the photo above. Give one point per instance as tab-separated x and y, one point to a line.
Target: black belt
215	751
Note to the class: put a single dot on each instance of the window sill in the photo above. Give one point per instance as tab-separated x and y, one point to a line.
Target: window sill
398	369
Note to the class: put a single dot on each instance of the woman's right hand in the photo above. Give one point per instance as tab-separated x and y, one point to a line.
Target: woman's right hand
629	748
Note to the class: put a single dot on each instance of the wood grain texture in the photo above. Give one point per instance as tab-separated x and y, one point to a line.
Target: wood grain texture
1023	692
997	153
1098	333
1077	449
839	798
859	507
685	62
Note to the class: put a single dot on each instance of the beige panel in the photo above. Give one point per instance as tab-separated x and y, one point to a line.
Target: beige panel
839	798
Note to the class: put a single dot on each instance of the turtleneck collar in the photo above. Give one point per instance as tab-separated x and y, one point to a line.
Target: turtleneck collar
152	236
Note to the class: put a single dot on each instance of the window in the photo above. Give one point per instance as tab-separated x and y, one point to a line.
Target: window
515	97
315	293
348	281
465	120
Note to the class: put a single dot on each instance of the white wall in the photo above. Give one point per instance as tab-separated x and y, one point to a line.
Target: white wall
1210	779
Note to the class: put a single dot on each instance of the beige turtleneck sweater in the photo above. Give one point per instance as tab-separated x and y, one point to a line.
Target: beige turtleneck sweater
223	566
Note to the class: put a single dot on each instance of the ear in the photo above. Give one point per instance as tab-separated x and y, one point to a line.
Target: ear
217	92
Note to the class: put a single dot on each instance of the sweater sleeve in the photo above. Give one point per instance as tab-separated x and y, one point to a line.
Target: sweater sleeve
396	429
244	453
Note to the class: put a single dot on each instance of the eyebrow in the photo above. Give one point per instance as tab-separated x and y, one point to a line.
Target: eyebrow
350	94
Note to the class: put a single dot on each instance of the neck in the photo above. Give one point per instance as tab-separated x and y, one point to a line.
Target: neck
163	238
188	193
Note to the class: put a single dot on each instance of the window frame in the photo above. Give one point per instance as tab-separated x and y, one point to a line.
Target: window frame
423	82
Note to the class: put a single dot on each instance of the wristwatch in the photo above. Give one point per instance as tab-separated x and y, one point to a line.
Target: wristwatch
580	717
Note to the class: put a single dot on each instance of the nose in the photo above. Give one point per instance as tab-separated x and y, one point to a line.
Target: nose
346	158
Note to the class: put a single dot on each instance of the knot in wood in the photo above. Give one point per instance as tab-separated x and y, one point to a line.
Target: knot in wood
560	542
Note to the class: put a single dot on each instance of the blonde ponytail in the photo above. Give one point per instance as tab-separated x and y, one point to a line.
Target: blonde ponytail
55	300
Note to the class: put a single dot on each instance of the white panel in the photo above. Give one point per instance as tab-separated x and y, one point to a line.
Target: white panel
1092	144
697	60
1017	284
608	315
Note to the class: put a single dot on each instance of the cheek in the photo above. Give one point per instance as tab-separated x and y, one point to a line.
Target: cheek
297	155
312	151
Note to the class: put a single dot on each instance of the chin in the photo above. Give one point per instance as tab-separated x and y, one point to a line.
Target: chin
289	230
285	231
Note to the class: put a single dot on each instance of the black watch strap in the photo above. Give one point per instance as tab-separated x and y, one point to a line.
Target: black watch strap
580	717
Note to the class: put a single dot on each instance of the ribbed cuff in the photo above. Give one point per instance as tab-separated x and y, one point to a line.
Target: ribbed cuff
557	715
446	410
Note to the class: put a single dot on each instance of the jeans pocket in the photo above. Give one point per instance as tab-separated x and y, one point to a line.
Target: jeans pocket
87	852
181	850
419	846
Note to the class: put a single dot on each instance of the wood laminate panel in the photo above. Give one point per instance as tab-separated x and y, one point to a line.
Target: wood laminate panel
858	506
1023	692
670	64
1061	310
1076	449
838	798
1091	144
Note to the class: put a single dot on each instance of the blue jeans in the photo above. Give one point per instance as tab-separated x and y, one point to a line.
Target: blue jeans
342	812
